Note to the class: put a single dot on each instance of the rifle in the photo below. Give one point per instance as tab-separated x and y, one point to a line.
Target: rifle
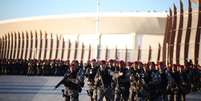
68	83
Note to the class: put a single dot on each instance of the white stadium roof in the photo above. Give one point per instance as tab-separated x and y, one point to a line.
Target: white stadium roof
110	22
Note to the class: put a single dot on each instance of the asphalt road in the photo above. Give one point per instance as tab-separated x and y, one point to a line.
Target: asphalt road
38	88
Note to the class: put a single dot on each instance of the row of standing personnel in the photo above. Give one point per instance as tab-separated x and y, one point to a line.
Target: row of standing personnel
33	67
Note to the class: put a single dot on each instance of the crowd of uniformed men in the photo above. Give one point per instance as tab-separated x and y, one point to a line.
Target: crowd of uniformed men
115	80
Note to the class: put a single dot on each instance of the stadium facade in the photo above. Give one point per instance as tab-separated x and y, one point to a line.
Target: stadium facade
54	37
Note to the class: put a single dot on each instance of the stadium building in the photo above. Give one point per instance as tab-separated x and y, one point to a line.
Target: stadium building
49	37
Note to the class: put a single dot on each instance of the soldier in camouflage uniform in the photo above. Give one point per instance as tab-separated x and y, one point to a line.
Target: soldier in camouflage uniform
111	65
153	82
103	81
184	84
73	75
135	83
164	81
174	86
122	84
91	70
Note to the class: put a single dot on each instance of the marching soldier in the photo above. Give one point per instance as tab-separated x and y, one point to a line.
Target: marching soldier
184	84
39	67
80	72
195	77
71	82
135	83
164	81
174	86
122	84
151	83
103	81
91	70
145	78
56	72
155	83
112	64
90	79
30	68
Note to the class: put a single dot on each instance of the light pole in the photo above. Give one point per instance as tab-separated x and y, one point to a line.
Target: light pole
98	34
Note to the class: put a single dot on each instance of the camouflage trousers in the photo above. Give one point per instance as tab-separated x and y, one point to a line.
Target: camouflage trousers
101	93
73	95
121	94
91	92
134	94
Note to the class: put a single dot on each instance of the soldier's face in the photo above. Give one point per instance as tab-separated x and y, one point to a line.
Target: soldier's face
72	69
93	64
103	66
139	67
113	64
150	67
175	68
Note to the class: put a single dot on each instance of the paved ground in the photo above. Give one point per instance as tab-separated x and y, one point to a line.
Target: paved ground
32	88
36	88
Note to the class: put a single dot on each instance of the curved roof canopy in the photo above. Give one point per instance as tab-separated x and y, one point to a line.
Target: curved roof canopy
85	23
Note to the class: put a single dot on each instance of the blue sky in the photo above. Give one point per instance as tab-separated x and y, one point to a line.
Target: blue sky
10	9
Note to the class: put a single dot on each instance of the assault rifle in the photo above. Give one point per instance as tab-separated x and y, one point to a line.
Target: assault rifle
68	83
